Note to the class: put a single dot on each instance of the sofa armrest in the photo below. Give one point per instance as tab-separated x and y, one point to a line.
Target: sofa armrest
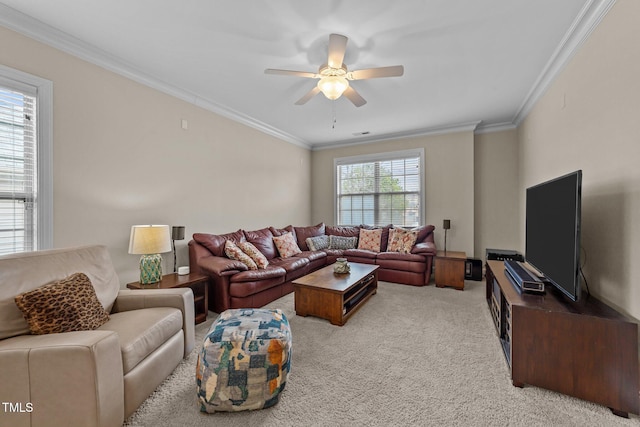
180	298
220	266
72	378
424	248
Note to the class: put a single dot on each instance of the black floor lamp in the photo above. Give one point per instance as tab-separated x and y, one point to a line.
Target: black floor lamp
177	233
446	224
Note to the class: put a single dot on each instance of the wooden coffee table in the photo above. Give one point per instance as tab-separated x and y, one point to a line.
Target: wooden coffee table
335	297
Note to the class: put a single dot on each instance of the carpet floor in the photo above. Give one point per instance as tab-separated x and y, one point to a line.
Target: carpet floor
410	356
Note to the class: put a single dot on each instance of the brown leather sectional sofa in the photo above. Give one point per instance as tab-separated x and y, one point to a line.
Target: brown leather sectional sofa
233	285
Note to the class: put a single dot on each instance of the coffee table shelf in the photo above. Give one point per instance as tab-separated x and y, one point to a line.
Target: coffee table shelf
335	297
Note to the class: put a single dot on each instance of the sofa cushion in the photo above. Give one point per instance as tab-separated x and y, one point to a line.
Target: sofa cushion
423	231
401	240
424	248
402	257
143	331
215	243
385	235
370	239
341	242
286	245
302	233
333	252
318	243
66	305
360	253
253	253
281	231
234	252
263	240
312	255
402	262
347	231
290	264
271	272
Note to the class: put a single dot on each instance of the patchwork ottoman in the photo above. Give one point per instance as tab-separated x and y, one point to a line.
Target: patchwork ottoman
244	361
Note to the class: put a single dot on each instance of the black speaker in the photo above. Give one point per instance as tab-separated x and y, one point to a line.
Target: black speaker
473	269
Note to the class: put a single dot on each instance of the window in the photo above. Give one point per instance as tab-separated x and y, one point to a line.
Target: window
380	189
25	162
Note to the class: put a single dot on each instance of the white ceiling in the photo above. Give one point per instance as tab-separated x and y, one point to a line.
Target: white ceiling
467	63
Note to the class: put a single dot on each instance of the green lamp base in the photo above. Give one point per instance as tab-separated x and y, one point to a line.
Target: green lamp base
150	268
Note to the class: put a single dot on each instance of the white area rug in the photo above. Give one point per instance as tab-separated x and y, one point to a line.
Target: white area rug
410	356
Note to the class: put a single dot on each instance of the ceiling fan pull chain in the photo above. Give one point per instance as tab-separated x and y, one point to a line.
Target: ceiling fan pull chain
333	111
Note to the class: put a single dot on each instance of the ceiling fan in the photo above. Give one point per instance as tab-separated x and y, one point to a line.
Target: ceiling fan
334	75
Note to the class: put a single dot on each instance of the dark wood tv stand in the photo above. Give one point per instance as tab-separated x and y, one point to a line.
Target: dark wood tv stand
583	349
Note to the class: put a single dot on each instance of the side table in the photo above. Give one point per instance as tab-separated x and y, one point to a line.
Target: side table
450	269
196	282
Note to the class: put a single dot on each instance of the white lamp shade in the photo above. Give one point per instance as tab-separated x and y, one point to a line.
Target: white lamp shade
333	86
150	239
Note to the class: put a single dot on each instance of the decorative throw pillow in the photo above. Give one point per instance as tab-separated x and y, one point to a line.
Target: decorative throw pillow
341	242
253	252
370	240
234	252
302	233
286	245
318	243
67	305
401	240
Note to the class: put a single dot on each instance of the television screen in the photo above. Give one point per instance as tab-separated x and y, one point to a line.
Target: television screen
552	243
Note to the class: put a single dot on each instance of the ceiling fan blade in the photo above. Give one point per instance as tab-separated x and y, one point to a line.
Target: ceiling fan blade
337	48
372	73
313	92
354	97
292	73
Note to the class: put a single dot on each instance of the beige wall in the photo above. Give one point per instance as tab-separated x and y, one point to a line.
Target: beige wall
122	158
449	188
497	214
588	120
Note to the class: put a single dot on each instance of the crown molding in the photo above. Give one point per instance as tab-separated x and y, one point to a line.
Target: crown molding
495	127
590	16
438	130
39	31
588	19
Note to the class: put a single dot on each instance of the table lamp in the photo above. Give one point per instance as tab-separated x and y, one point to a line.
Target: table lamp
446	224
150	241
177	233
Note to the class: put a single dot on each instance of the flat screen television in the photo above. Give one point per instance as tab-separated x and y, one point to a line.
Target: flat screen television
552	244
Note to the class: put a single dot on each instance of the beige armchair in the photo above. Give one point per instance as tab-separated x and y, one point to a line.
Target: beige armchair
87	378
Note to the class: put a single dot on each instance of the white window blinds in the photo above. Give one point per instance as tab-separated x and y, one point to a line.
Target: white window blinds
18	180
379	190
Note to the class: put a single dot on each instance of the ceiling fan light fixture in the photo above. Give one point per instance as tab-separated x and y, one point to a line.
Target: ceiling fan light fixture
333	86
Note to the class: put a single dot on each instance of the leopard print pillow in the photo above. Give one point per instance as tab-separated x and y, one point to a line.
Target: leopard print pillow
67	305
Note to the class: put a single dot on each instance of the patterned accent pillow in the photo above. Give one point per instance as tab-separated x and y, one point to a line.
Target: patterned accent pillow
67	305
286	245
253	252
234	252
318	243
341	242
370	240
401	240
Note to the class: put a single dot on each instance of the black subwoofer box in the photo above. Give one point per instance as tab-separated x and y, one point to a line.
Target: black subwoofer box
473	269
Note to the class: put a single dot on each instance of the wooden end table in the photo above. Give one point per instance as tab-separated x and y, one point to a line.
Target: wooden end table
335	297
450	269
196	282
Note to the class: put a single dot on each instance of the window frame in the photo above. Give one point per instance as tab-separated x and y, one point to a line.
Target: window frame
43	89
376	157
